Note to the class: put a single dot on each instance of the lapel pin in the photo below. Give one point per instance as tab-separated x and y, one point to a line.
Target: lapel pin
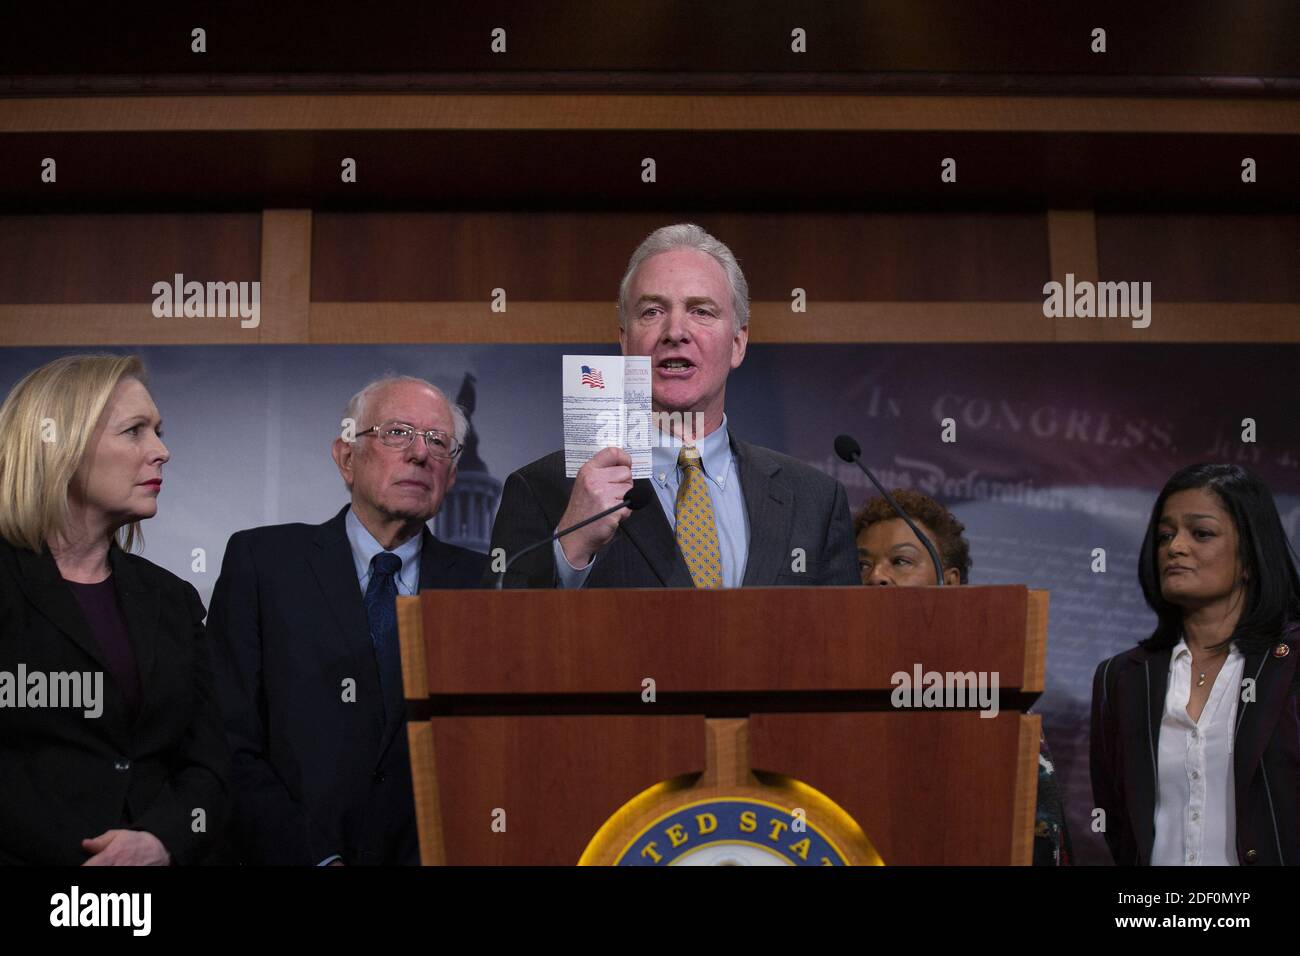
1282	650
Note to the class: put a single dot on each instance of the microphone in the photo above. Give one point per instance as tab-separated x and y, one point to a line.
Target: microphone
849	450
636	499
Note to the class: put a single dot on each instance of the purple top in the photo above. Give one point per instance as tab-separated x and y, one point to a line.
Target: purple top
103	612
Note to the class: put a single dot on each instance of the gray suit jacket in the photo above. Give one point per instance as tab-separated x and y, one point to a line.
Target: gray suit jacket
790	505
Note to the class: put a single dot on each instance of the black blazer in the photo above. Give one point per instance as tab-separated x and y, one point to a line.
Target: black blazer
314	775
65	777
789	504
1128	702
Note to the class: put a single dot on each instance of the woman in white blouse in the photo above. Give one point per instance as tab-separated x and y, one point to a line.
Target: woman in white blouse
1196	732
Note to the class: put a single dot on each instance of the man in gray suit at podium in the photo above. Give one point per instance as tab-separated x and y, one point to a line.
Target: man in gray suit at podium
724	513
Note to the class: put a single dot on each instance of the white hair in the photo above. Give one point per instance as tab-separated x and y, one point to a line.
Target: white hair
687	235
357	403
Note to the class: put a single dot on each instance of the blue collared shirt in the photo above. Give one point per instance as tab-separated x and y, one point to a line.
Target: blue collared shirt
725	494
365	547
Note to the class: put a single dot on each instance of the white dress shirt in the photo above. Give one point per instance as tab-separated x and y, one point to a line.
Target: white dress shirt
1196	805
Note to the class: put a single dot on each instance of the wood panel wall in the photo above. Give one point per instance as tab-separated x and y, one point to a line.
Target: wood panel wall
933	266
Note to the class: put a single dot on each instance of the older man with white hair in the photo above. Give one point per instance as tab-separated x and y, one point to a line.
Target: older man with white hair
724	512
304	633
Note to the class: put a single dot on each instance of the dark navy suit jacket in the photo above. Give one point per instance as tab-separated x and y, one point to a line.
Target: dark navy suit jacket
313	774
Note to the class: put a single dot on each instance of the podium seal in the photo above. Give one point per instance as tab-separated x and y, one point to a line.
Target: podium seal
782	823
731	832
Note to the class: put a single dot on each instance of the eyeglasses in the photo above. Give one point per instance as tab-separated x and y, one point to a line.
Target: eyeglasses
400	435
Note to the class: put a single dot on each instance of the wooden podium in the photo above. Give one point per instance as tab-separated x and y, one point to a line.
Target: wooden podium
535	716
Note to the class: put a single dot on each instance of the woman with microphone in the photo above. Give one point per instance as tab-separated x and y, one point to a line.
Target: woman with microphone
890	554
1196	731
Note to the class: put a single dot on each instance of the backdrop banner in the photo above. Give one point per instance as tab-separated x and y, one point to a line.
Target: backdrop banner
1058	451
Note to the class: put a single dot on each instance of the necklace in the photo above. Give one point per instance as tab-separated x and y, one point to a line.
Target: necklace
1200	682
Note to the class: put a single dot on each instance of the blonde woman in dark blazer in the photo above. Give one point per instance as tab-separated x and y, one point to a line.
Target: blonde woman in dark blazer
122	759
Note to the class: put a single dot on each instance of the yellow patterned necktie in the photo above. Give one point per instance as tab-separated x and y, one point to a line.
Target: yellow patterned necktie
697	535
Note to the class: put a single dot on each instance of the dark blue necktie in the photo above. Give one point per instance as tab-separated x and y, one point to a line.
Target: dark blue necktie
381	609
